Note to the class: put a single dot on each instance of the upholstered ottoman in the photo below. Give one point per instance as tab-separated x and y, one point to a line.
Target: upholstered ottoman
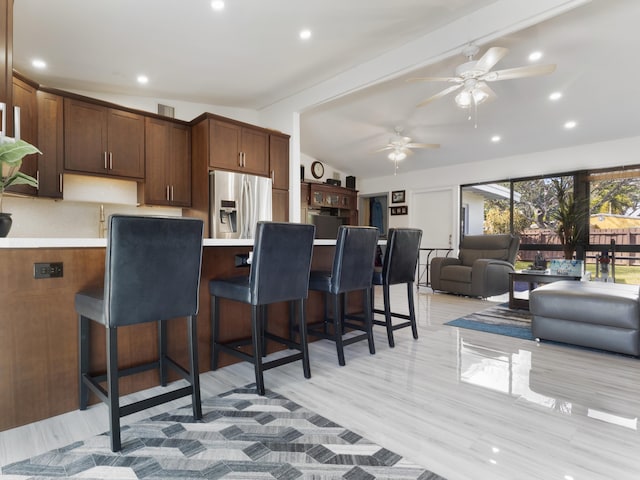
590	314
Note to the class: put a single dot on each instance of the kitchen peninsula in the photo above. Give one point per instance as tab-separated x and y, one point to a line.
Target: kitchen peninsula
39	331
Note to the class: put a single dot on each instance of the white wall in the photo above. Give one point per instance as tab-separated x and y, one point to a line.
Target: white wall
475	212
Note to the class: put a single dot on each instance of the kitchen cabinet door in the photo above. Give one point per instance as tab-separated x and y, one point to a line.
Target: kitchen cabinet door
24	96
280	205
255	152
85	137
50	143
125	146
237	148
180	165
103	140
168	164
279	161
224	145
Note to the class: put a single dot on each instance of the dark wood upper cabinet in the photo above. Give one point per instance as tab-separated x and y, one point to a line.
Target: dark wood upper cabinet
51	144
238	148
24	97
279	161
168	164
102	140
6	62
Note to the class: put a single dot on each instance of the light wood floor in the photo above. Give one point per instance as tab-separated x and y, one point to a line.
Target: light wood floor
465	404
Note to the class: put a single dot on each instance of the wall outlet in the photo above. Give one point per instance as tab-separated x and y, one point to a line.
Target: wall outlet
47	270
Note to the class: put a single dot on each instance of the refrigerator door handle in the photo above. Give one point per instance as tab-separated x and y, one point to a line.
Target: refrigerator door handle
245	202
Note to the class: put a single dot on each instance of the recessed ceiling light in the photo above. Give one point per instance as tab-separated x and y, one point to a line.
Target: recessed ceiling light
217	5
555	96
535	56
570	124
496	138
37	63
305	34
143	79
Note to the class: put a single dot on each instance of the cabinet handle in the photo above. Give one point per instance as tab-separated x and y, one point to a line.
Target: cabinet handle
273	176
16	122
172	193
3	121
167	193
38	179
240	159
60	182
244	159
110	161
105	160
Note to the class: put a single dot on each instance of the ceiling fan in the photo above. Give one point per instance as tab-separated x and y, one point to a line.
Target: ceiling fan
402	146
471	77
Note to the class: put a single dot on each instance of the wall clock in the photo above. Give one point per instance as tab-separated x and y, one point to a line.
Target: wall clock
317	169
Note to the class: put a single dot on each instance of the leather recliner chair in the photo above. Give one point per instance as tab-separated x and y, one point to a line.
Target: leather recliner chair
481	269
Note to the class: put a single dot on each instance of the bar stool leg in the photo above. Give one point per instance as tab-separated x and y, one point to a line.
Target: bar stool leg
194	378
215	331
337	329
412	311
113	395
257	348
387	315
368	319
303	337
263	328
84	348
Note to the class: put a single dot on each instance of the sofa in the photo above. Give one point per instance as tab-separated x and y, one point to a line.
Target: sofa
591	314
481	269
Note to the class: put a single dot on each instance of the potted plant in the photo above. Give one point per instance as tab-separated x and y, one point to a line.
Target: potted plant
12	152
570	218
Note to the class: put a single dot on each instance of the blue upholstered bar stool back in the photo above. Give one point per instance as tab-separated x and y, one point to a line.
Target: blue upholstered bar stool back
152	274
398	267
279	273
352	271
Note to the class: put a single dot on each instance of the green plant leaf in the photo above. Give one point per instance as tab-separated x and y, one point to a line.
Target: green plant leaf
21	179
13	153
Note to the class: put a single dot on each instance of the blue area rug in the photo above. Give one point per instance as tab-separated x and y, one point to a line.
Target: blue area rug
499	319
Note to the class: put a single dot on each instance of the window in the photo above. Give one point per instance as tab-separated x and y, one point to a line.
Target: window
584	215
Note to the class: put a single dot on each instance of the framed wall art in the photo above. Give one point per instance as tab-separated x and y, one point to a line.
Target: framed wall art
399	210
397	196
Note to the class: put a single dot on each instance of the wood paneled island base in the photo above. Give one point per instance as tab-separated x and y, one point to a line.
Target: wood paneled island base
39	328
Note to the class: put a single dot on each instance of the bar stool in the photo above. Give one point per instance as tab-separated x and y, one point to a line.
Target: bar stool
152	273
398	266
279	273
352	271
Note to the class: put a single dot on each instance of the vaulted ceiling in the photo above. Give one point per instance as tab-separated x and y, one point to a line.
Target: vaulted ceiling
249	56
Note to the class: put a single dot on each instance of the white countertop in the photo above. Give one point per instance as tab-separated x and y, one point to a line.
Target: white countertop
102	242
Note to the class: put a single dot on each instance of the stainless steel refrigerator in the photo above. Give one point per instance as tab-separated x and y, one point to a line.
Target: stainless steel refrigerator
237	202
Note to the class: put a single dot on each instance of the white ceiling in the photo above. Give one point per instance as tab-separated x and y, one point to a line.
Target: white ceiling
250	56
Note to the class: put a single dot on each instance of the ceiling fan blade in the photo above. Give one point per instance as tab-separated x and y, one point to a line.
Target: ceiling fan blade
491	95
435	79
388	147
518	72
422	145
490	58
444	92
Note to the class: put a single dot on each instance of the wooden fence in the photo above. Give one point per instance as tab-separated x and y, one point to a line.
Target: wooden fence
621	236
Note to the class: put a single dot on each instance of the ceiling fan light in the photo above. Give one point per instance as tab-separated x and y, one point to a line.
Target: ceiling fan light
479	96
396	156
463	99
